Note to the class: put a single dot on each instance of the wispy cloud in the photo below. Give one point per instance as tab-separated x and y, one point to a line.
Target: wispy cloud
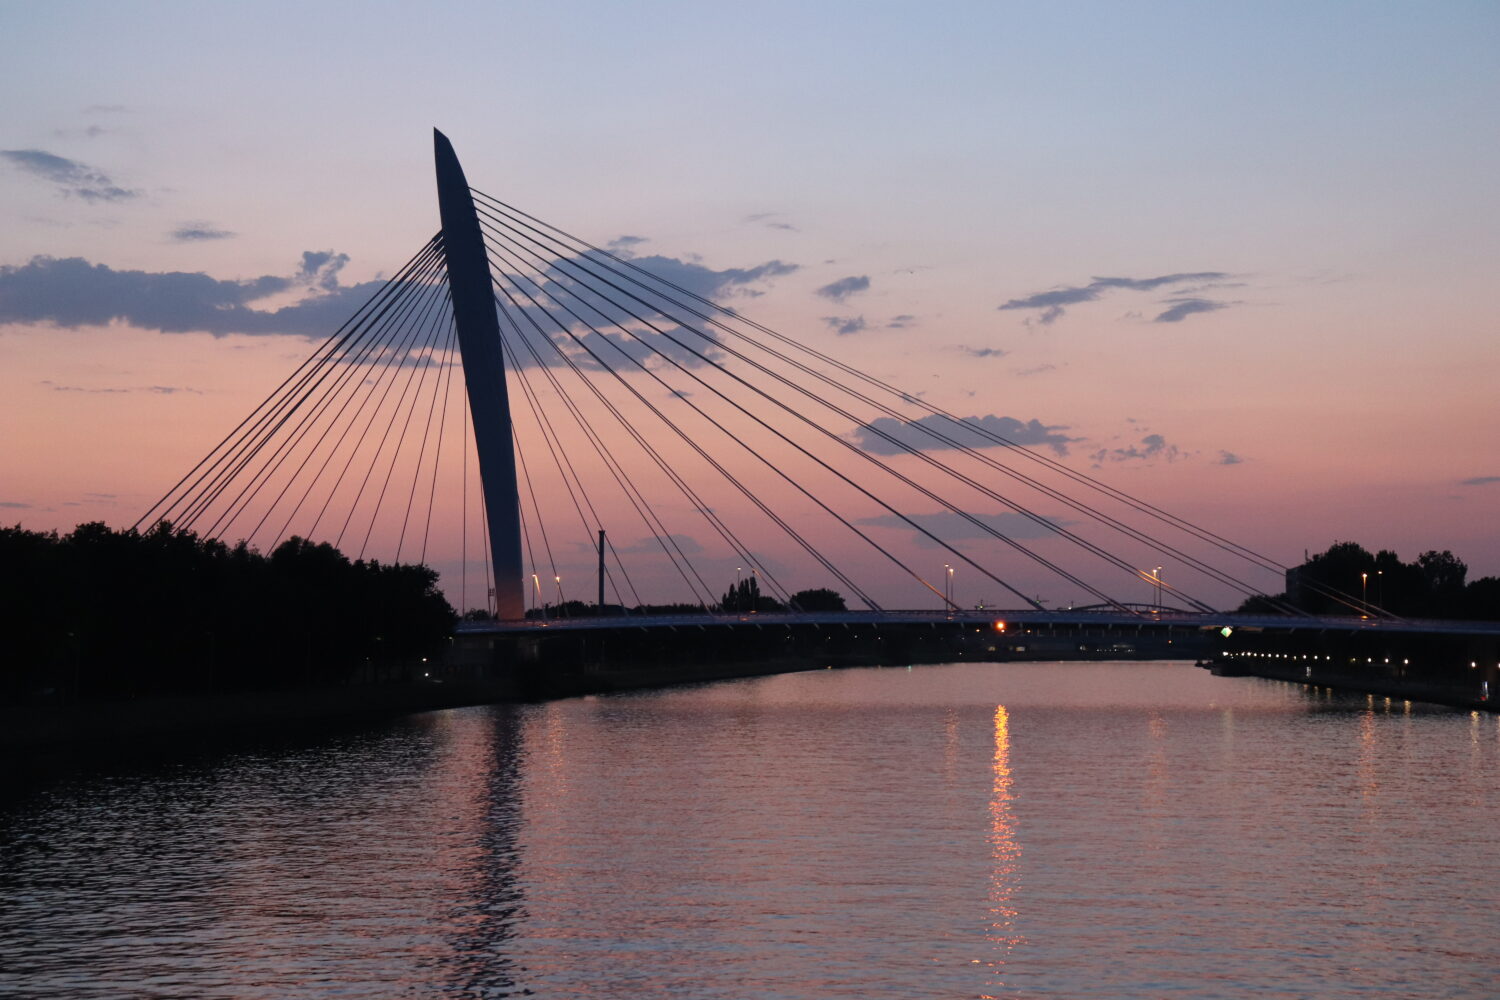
14	505
621	245
1152	446
320	269
1228	458
951	526
197	232
1210	286
840	290
901	322
1480	481
974	432
710	283
87	132
71	293
567	282
983	352
74	293
770	220
1037	370
1183	308
844	325
650	546
68	176
158	390
1051	305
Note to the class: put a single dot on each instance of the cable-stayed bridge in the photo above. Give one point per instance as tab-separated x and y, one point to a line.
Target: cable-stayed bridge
523	408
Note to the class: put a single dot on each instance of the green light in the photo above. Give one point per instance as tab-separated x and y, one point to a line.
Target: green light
1226	631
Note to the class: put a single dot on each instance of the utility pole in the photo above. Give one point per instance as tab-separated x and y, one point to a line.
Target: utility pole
601	571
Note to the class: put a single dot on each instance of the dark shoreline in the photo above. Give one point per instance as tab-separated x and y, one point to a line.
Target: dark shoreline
480	675
44	728
166	721
1463	698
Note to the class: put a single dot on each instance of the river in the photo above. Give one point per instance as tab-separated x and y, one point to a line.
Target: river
1068	830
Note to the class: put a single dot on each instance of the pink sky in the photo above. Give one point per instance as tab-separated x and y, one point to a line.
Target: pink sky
1334	379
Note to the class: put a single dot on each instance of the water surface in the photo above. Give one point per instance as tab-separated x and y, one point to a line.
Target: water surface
1112	830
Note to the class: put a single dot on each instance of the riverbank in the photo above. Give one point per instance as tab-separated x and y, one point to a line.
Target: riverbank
48	727
142	722
1470	696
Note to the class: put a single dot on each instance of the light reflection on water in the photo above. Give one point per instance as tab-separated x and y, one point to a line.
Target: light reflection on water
1005	850
1019	830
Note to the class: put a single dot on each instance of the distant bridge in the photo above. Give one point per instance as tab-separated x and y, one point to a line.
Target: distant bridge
1450	662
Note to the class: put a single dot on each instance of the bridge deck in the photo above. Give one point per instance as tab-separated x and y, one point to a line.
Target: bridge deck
1110	618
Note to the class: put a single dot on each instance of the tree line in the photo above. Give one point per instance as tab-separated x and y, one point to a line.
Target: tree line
744	596
100	613
1435	585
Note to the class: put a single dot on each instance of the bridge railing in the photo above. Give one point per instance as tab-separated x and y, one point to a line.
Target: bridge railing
1149	616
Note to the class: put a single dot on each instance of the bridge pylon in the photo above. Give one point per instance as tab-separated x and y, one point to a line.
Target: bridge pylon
478	327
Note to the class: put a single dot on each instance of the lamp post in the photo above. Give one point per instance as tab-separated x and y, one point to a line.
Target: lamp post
950	588
1364	588
1156	578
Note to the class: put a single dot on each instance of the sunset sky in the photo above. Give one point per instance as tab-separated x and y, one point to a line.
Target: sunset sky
1240	255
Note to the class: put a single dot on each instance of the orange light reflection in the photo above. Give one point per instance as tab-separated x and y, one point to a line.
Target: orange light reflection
1005	854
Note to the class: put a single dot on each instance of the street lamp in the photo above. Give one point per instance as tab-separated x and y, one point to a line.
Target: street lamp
1156	577
1364	588
950	586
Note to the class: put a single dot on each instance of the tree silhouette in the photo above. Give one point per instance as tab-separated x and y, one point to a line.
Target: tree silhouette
821	599
1433	586
745	596
100	613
